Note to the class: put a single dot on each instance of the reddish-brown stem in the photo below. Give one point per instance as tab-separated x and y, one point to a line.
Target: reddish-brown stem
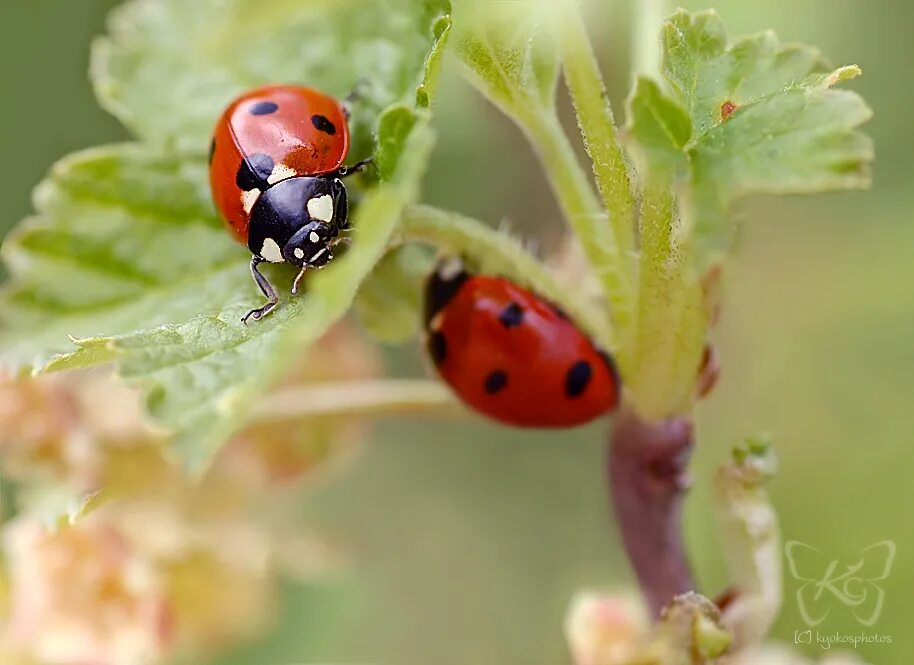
647	477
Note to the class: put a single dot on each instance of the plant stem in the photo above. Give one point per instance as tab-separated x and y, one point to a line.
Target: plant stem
671	318
646	472
598	128
500	253
649	15
358	398
584	213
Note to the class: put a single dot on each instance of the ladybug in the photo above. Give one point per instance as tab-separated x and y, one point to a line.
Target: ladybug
276	169
512	355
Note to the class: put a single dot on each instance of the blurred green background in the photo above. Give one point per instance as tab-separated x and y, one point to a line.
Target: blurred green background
469	541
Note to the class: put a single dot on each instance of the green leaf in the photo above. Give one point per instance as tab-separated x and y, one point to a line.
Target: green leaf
202	376
393	129
510	53
124	239
389	303
660	126
398	120
126	257
764	115
169	67
797	142
427	89
705	71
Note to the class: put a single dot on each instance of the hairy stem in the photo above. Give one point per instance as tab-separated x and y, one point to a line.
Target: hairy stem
671	318
502	254
647	477
598	128
583	211
649	15
358	398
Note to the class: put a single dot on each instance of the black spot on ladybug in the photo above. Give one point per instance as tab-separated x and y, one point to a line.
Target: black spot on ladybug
254	171
511	316
264	108
439	292
496	382
212	150
322	124
437	347
577	378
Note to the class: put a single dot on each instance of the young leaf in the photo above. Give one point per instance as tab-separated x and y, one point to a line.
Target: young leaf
394	127
510	54
169	67
705	71
441	30
797	142
764	115
660	127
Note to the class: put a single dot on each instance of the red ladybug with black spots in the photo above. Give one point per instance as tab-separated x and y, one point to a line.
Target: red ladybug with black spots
513	356
276	169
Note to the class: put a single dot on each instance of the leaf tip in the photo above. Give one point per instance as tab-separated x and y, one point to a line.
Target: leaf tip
842	74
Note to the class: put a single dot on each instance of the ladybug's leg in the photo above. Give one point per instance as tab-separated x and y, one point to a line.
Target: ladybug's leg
344	171
298	279
266	288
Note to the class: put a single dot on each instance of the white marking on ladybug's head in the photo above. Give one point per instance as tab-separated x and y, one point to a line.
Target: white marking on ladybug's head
320	208
299	253
313	237
450	269
271	252
248	199
281	172
436	322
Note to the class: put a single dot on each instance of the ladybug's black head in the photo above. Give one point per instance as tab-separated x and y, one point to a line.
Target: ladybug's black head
299	217
309	246
449	276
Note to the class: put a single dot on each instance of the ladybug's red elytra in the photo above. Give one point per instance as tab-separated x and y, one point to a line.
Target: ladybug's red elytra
513	356
276	176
